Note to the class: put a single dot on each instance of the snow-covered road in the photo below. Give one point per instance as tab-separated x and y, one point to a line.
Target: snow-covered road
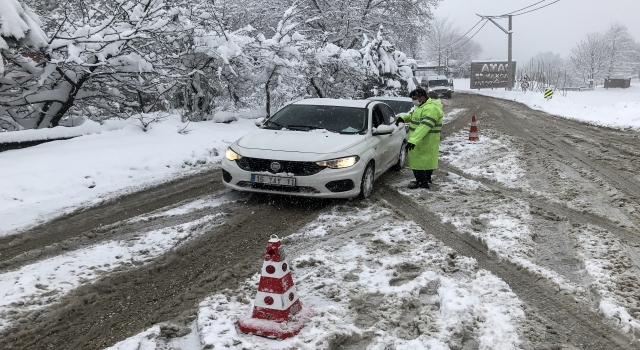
540	203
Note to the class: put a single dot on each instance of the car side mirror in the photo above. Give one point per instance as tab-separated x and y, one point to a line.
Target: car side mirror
259	121
384	130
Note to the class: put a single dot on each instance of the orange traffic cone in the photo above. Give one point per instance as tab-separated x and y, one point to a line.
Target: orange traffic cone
473	131
277	311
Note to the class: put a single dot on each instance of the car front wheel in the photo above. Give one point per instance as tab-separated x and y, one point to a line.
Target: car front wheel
366	185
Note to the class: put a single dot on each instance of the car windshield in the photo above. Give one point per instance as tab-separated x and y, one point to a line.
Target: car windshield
399	106
438	83
346	120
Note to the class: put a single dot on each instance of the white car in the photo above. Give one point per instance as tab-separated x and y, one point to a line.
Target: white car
318	147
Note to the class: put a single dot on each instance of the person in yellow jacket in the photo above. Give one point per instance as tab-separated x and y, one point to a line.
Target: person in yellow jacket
423	145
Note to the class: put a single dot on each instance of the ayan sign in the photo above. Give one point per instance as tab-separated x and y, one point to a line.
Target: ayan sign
491	74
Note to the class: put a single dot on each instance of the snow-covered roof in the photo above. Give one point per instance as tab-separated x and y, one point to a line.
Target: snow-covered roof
333	102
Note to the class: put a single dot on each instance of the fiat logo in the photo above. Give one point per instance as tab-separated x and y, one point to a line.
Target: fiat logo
275	166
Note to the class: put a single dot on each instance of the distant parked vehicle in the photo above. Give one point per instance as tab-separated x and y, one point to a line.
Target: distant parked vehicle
439	84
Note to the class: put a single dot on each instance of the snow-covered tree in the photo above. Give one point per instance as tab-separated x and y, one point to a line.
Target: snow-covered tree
589	58
549	58
385	65
22	42
438	43
346	21
621	51
445	44
335	72
279	62
107	59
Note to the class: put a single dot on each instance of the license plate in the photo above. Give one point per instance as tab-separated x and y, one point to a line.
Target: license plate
273	180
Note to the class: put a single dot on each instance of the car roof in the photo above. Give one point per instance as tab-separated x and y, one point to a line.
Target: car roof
437	77
333	102
390	98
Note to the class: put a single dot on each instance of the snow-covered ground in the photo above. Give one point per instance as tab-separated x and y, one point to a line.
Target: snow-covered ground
37	285
619	108
43	181
370	277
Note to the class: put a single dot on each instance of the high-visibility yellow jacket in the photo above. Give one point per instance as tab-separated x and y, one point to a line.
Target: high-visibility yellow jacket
425	124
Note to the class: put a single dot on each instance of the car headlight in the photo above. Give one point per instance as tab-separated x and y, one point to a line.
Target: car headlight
232	155
339	163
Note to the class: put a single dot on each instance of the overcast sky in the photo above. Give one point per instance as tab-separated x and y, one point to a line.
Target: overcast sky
556	28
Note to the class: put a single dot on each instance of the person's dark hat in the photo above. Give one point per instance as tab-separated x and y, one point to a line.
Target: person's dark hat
418	92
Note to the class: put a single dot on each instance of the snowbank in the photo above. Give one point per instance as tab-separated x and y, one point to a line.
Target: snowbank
618	108
61	132
43	181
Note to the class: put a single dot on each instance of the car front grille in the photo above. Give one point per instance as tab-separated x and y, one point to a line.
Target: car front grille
295	168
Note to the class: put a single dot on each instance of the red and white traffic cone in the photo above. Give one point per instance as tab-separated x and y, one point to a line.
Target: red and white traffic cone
277	312
473	131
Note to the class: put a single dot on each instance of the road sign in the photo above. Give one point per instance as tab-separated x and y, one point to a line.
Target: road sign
524	85
490	74
548	94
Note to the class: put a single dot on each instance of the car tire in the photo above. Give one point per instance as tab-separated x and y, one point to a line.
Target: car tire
402	158
366	185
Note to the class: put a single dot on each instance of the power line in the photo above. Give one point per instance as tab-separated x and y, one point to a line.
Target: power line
463	35
509	32
536	9
513	13
474	34
524	8
502	16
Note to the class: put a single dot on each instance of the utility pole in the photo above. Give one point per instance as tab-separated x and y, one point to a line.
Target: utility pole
510	70
510	49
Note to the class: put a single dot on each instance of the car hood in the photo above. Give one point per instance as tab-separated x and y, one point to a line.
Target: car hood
299	141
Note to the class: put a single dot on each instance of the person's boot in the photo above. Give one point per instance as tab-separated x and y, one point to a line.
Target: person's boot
414	184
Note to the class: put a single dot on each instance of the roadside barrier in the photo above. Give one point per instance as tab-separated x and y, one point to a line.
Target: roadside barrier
277	311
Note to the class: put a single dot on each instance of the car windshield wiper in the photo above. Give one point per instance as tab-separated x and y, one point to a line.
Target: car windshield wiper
308	127
274	123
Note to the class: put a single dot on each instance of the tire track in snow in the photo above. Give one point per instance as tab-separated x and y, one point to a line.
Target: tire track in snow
627	236
530	129
579	323
85	226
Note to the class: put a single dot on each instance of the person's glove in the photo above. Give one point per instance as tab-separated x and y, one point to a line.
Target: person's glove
410	146
399	120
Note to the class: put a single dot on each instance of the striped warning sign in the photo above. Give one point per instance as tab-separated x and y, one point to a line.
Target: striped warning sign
548	94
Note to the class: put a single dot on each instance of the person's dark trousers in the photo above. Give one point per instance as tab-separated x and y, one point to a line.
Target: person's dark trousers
423	177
